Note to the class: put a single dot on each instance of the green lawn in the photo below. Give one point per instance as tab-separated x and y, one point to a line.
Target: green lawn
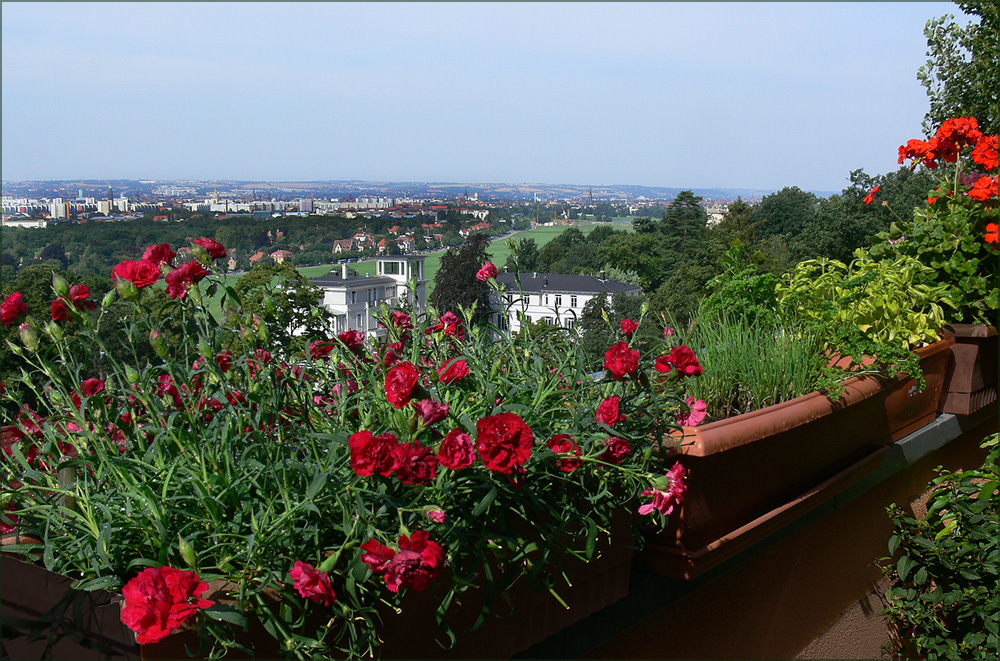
498	254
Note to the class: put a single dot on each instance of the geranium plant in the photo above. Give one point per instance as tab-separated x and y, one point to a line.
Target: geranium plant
308	492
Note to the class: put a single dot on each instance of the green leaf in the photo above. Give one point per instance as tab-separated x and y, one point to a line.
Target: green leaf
317	483
921	576
903	567
224	613
99	583
987	490
893	544
485	502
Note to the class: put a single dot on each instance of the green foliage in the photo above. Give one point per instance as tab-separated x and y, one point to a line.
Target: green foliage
600	325
740	289
749	364
455	284
947	239
944	599
786	212
961	76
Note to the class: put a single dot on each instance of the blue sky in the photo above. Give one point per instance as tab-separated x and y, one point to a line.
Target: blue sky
742	95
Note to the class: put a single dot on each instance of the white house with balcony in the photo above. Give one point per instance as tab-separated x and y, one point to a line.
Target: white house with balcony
355	299
553	297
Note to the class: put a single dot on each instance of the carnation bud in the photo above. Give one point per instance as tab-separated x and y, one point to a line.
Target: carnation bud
158	343
67	480
205	348
661	483
187	552
326	566
127	289
54	330
201	254
604	315
263	333
15	349
435	513
59	285
269	306
645	307
132	375
108	299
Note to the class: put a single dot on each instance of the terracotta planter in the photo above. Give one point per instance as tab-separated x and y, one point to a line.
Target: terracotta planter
971	379
742	469
521	617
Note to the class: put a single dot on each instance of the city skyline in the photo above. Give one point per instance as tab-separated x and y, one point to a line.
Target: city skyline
717	95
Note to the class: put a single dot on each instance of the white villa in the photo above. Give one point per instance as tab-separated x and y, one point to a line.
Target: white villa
354	299
553	297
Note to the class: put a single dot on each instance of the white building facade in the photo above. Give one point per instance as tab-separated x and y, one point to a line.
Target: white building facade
553	297
355	299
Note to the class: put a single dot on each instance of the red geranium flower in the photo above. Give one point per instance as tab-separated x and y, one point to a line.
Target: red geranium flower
488	272
620	360
312	584
984	189
504	442
161	254
161	599
415	464
141	273
564	444
13	309
871	196
453	370
372	454
992	233
401	384
456	451
214	249
182	277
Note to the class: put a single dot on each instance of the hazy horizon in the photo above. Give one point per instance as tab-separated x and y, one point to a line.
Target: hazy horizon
685	95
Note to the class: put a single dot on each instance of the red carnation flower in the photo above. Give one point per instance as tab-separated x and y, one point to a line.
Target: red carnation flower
565	445
182	277
92	386
372	454
457	451
312	584
214	249
504	442
161	254
160	600
417	564
621	361
355	341
60	311
321	349
683	358
376	555
401	383
415	464
629	327
430	411
616	449
141	273
488	272
13	309
453	370
608	411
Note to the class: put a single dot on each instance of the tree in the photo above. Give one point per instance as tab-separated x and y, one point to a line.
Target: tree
295	302
456	286
786	212
962	77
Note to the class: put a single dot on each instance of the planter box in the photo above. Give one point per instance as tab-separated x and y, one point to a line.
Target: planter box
743	469
971	379
521	618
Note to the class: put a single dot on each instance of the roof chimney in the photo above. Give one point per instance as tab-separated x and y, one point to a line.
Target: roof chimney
343	271
602	274
535	274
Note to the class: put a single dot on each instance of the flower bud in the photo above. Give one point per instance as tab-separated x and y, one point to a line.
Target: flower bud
132	375
263	333
645	307
326	566
127	289
604	315
201	254
108	299
205	348
187	552
158	343
59	285
29	337
54	330
435	514
269	306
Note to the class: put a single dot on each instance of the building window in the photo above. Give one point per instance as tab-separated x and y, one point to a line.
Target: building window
354	297
360	322
545	299
572	301
558	301
569	323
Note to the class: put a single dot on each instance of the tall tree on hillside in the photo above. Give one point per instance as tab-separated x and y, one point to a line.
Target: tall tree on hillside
962	74
785	212
455	284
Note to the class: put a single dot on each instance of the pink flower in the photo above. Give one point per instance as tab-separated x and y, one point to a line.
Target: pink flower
435	514
488	272
13	309
457	450
666	500
312	584
668	331
696	413
629	327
